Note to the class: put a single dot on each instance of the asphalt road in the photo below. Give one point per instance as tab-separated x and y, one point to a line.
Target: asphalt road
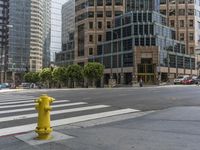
144	99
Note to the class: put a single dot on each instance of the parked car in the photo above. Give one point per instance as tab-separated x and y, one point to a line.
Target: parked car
4	85
188	80
197	80
180	78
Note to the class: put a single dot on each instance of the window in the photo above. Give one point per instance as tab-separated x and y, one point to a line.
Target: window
108	2
191	23
172	23
90	38
99	38
127	31
181	12
118	2
108	24
181	37
108	13
91	2
99	13
162	1
91	25
127	44
100	25
90	51
108	36
181	1
181	23
172	12
191	50
190	11
100	3
90	14
191	36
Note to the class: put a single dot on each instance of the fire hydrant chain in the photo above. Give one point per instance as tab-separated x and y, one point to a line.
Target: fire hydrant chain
43	107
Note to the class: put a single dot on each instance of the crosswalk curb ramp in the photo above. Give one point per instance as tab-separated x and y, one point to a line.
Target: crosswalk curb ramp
19	116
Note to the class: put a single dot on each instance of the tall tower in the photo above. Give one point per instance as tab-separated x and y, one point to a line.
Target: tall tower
4	29
92	19
26	37
40	34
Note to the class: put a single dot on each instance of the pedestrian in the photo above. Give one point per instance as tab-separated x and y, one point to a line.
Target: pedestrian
141	82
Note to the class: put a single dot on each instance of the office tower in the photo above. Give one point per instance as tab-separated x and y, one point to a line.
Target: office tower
66	56
93	17
56	23
184	17
4	29
141	46
28	38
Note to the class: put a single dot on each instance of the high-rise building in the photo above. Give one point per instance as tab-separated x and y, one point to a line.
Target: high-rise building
66	56
93	17
184	17
68	22
28	38
4	29
40	34
141	46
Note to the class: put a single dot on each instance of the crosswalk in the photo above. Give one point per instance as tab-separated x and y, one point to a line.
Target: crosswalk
18	114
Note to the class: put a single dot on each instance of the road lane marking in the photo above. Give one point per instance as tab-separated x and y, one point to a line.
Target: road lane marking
31	127
31	104
52	113
33	108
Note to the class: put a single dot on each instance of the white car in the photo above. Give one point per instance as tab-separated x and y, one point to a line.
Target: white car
180	78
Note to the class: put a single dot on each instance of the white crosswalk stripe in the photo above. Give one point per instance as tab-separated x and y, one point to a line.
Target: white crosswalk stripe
15	119
32	108
20	103
31	104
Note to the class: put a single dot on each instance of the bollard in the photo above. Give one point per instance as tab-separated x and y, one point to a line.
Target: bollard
44	128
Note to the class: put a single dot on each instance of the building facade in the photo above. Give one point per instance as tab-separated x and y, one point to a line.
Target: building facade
4	29
142	46
56	22
93	17
66	56
28	38
184	17
68	22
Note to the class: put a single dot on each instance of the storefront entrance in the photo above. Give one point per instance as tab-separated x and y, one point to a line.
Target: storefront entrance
147	72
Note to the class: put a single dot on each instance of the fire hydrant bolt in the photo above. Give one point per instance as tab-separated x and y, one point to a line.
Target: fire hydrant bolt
44	128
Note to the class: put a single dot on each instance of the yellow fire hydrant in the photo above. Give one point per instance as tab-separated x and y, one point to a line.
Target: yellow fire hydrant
43	107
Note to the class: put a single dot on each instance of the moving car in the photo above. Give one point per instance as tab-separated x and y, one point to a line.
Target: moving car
180	78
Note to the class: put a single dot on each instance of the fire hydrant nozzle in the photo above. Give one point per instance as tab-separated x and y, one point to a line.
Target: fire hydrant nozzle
43	126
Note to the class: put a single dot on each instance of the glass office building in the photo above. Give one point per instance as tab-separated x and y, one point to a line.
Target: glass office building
4	29
142	46
27	37
66	56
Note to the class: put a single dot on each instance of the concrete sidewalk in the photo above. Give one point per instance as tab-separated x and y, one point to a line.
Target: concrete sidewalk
171	129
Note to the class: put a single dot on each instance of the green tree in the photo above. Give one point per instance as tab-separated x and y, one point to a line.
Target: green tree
75	73
93	72
35	77
28	77
60	75
46	76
